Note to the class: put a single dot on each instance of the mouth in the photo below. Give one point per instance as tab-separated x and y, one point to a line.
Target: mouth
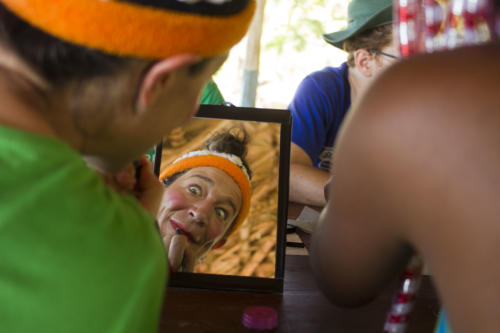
178	226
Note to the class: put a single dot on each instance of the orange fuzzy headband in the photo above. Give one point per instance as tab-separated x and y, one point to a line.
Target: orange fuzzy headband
151	29
230	164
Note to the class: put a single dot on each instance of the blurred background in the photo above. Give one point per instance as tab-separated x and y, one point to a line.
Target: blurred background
291	47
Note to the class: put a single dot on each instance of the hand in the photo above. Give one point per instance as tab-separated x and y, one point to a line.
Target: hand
145	187
122	182
148	188
179	256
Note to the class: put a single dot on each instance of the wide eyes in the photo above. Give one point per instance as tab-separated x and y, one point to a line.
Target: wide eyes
221	213
196	190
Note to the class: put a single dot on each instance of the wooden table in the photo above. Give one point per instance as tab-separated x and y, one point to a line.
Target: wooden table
301	308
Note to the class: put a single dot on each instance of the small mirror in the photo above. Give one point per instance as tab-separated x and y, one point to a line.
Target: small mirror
250	257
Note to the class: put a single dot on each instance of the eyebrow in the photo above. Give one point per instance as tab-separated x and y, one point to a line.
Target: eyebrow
212	183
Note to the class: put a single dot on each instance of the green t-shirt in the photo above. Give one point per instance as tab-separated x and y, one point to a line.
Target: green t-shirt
75	256
211	94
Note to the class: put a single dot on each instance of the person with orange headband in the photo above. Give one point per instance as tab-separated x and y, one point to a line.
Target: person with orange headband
94	82
207	198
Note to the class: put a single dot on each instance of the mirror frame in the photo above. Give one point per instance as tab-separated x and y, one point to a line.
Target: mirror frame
234	282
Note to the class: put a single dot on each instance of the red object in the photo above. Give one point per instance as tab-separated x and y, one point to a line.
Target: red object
397	319
402	303
405	298
435	25
260	318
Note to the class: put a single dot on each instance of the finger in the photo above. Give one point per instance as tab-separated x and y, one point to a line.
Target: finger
149	188
126	178
188	262
110	181
146	173
176	251
166	241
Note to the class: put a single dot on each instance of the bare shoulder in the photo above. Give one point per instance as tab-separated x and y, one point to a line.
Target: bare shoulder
463	78
424	145
473	62
426	123
430	126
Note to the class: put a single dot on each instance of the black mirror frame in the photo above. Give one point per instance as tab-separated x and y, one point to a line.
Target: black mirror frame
245	283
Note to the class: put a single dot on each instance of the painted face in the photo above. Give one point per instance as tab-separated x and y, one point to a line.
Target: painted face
201	204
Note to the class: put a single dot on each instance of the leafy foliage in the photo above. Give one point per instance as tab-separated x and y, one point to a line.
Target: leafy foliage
303	24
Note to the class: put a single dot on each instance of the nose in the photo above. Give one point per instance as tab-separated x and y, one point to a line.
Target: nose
201	212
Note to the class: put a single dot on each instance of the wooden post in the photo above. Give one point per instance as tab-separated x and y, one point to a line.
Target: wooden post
251	70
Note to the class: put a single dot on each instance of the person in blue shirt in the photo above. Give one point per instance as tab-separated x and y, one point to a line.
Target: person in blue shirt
324	97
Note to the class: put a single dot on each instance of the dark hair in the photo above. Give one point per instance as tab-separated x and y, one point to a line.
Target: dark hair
58	61
372	39
54	59
233	141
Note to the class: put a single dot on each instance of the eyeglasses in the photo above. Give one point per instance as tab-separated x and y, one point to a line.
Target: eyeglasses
383	53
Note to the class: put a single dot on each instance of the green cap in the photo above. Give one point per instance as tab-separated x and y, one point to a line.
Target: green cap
362	15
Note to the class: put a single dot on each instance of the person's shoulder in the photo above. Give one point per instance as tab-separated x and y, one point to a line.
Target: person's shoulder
429	99
328	73
463	65
327	79
421	116
422	84
468	57
425	114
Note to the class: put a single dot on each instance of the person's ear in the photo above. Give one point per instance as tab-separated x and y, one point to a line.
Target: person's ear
158	76
364	62
220	243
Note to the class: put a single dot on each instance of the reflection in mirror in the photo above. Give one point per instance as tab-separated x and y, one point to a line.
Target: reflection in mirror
202	218
223	223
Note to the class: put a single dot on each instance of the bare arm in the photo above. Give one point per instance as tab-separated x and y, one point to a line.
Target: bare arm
360	241
355	249
306	182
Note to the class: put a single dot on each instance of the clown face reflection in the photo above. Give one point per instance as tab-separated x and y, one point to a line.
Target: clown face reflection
200	205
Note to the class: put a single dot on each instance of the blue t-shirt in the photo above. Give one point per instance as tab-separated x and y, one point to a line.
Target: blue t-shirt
318	108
